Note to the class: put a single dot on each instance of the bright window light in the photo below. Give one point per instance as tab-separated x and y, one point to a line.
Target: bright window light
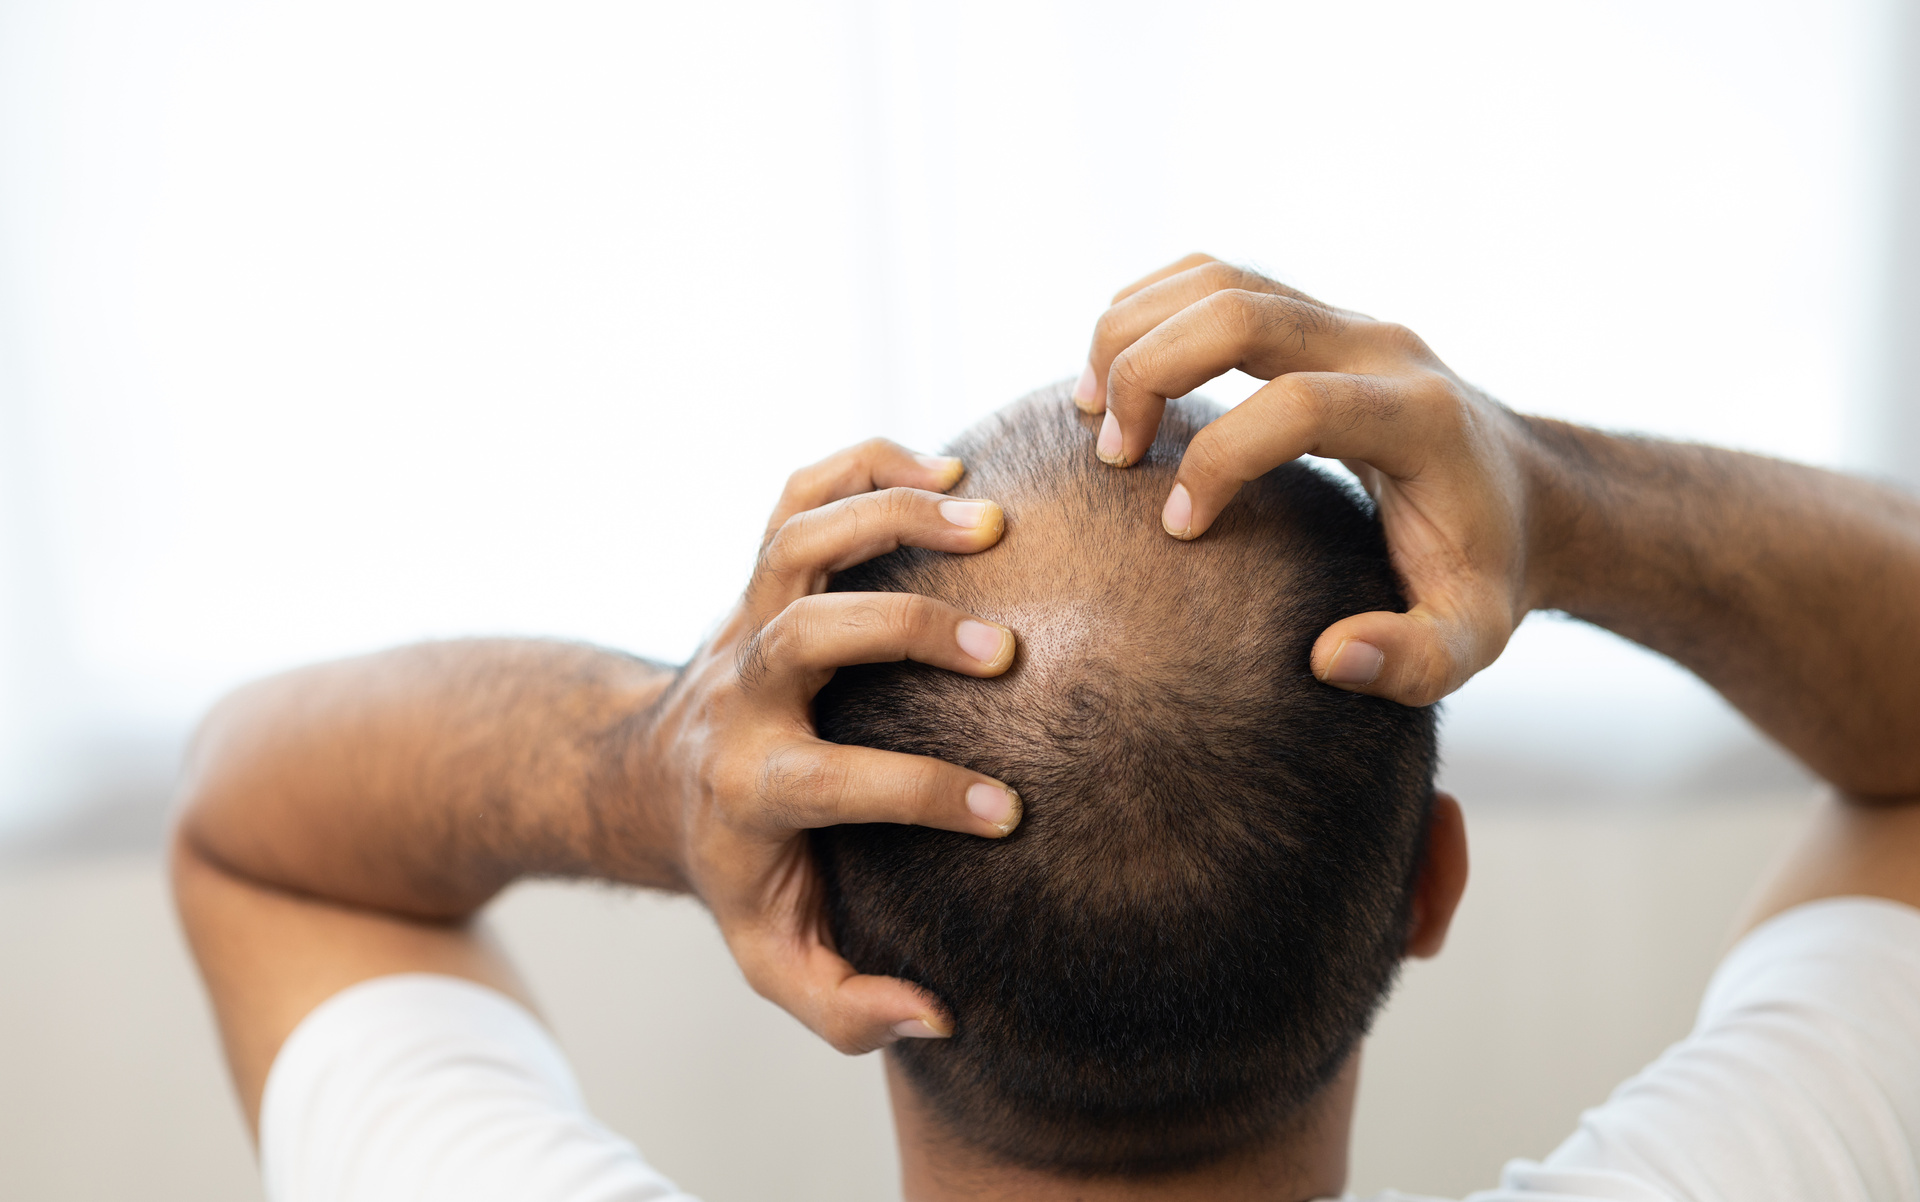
324	327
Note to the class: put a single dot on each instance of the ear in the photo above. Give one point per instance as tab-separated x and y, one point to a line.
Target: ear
1442	879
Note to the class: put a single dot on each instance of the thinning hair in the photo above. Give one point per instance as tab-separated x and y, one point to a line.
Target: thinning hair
1209	894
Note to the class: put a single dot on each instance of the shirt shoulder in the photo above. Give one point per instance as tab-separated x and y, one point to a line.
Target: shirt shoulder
425	1087
1800	1079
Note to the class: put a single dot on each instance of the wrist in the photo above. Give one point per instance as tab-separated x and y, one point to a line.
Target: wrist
1555	460
635	821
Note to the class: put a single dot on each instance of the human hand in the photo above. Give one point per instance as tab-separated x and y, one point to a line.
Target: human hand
743	776
1443	462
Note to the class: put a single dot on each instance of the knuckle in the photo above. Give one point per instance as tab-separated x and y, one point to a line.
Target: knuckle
797	547
1285	319
1339	404
1207	458
784	636
815	478
1269	322
1129	373
892	616
790	777
1218	276
926	791
1311	394
793	632
1317	318
866	611
788	635
777	556
1371	398
750	663
853	522
1236	308
1401	340
1441	416
1109	330
898	506
912	613
1434	391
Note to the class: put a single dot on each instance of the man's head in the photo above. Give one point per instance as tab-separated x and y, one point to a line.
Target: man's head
1210	891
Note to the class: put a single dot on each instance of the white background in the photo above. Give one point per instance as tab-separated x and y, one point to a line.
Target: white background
324	327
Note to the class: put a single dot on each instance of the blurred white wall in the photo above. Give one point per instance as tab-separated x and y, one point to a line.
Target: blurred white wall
329	326
1896	434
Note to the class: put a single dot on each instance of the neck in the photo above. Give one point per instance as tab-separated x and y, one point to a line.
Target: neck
1308	1161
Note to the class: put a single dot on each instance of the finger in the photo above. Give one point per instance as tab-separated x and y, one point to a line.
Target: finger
1138	309
1262	334
811	783
876	463
1417	657
812	544
1143	305
1177	267
1339	416
803	644
1251	279
854	1012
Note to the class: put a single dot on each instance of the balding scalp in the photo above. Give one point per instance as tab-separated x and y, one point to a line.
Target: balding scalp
1208	897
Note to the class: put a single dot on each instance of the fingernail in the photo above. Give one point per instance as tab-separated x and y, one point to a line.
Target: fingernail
946	465
983	642
1355	663
1177	517
1108	448
991	803
916	1028
1083	391
967	514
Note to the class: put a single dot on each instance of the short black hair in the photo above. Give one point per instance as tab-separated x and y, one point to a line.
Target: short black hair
1209	894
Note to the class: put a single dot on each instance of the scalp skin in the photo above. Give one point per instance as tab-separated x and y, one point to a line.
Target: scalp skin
1207	898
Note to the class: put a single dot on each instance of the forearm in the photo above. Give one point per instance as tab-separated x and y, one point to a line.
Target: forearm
421	781
1793	591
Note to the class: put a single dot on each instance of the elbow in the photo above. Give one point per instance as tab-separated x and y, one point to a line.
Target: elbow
227	759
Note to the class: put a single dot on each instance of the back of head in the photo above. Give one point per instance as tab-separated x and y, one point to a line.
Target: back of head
1208	895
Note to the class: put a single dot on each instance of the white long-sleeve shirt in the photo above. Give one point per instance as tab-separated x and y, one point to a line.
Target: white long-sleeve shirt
1800	1082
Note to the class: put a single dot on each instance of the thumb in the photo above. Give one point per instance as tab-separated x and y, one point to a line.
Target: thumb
1414	658
854	1012
871	1012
